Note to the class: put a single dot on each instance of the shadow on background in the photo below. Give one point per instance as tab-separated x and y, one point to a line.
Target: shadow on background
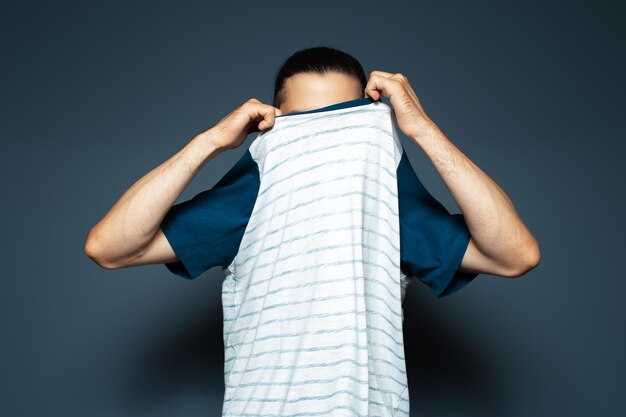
187	362
447	375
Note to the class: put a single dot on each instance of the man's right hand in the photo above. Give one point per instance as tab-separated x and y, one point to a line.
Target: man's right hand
252	116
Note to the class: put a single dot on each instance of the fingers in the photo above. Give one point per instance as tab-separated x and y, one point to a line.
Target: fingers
377	85
382	73
386	83
269	114
256	109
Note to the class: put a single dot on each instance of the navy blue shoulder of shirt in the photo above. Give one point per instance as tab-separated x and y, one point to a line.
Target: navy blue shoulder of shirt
432	241
207	230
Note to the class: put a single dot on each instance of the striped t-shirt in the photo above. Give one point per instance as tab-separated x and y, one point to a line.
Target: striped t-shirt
319	228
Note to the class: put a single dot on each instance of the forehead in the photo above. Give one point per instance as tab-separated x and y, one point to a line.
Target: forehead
313	81
310	90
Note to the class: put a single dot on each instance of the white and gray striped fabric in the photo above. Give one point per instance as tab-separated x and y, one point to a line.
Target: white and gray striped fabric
313	297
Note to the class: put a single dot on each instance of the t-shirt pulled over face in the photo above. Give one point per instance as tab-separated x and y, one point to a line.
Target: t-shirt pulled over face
319	228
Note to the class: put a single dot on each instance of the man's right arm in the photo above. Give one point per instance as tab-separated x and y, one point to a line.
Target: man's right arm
130	233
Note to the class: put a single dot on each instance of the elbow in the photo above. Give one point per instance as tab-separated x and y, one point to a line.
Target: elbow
528	260
94	251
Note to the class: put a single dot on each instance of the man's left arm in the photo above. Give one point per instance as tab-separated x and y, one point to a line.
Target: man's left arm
500	244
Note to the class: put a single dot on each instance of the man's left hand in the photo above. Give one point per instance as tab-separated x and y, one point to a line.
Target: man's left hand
410	115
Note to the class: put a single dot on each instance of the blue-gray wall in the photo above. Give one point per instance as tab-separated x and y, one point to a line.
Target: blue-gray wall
93	96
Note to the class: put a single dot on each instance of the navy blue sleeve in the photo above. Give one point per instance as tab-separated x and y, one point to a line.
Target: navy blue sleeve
206	230
432	241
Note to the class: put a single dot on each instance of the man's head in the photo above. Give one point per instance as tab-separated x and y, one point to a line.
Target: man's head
317	77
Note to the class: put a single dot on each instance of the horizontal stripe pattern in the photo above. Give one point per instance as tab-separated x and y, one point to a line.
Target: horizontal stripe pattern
313	297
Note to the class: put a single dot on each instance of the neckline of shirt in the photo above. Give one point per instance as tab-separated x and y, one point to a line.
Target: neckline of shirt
337	106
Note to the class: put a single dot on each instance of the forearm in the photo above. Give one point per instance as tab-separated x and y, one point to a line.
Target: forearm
135	218
496	229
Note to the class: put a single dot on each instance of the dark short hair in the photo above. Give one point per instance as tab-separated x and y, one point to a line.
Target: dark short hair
321	59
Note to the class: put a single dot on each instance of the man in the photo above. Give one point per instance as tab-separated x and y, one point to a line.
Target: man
144	227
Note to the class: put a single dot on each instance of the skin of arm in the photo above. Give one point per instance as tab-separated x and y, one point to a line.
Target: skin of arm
500	244
130	233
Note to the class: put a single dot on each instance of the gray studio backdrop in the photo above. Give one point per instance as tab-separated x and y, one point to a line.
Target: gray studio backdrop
96	94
